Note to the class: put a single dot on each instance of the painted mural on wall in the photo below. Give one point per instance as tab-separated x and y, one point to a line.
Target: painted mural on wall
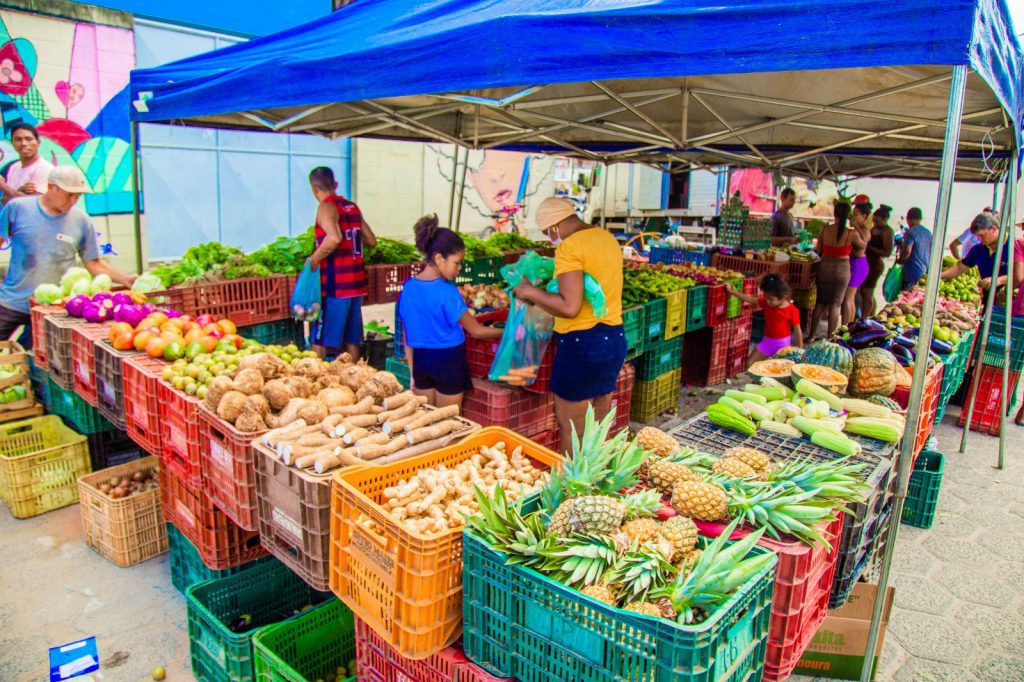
68	78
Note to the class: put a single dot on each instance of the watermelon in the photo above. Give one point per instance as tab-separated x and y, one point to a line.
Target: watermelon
790	353
828	354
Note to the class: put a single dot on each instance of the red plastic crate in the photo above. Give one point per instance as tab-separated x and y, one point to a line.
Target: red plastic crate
494	404
748	266
480	354
552	439
750	288
179	435
249	301
142	401
221	543
929	405
739	345
718	305
37	314
229	474
988	402
801	275
622	398
83	358
706	354
385	281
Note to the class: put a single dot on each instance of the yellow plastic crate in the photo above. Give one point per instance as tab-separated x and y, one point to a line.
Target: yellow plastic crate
40	462
675	314
651	398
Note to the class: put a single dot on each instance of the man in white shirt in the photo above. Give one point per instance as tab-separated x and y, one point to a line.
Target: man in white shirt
26	176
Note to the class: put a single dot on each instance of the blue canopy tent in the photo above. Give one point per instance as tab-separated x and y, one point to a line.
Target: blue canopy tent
906	88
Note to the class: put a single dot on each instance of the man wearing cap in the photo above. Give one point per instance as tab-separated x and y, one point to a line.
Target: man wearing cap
591	346
983	256
46	233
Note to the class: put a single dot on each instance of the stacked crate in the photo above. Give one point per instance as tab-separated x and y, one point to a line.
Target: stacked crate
987	384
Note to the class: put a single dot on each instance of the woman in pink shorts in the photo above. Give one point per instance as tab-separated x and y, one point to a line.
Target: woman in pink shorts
859	238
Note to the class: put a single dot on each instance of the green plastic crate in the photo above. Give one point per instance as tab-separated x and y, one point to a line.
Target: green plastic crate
481	271
655	312
923	489
734	305
661	357
399	369
268	593
953	373
519	623
995	349
187	567
696	308
632	325
308	647
79	414
282	332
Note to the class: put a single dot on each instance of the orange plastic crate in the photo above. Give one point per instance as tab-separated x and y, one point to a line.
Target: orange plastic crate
142	400
179	434
37	314
83	358
406	586
929	406
229	475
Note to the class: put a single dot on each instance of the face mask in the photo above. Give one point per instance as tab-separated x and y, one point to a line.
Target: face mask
555	240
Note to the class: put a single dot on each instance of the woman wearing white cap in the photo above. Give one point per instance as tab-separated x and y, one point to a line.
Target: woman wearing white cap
590	349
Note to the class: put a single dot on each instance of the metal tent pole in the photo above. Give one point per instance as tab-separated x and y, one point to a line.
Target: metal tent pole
136	210
451	193
924	342
462	189
1010	207
990	299
604	195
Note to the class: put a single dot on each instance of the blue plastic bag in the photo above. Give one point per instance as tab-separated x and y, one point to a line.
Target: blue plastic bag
305	302
523	343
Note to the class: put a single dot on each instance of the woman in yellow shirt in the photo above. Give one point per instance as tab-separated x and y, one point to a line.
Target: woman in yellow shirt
590	349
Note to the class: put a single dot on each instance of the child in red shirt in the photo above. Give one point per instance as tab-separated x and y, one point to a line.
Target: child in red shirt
781	318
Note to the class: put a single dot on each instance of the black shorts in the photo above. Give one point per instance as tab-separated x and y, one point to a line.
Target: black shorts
444	370
587	362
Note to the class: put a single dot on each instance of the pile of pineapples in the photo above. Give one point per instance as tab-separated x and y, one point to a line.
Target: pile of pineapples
617	523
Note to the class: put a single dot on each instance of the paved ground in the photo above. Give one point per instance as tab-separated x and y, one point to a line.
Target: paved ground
959	602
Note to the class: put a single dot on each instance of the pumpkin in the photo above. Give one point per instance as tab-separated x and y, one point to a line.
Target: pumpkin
775	368
884	402
790	353
825	377
874	372
828	354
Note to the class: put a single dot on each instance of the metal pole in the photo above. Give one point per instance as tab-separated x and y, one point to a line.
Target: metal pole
1010	208
924	342
604	195
451	194
462	189
990	299
136	209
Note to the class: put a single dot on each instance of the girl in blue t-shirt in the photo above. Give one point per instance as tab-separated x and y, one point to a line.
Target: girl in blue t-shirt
435	318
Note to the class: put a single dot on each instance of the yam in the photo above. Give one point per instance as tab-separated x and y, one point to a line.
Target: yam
312	411
310	368
396	401
398	425
371	451
355	434
250	422
277	393
361	407
258	404
290	413
268	364
230	406
433	431
339	457
271	437
216	390
331	424
336	397
300	386
248	381
433	416
404	410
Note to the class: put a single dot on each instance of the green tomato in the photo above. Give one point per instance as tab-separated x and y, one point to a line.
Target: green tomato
201	392
191	389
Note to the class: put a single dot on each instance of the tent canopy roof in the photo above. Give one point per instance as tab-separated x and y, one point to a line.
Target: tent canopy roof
856	87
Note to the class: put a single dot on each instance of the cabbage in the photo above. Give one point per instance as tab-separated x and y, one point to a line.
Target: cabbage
48	293
71	277
101	283
146	283
79	287
75	306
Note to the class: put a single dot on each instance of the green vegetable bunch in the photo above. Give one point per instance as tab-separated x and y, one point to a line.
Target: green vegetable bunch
284	255
642	284
390	251
478	248
513	241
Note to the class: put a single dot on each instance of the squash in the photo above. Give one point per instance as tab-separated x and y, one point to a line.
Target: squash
830	379
790	353
884	402
774	368
828	354
728	418
873	373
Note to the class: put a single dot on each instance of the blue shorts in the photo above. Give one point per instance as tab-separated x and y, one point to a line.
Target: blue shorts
445	370
341	322
587	362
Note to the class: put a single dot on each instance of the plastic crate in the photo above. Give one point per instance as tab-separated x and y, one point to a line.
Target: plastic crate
60	363
228	472
750	288
79	414
398	367
633	327
377	350
718	305
696	308
142	400
739	346
311	646
801	274
661	357
83	358
749	266
707	355
622	398
552	440
651	398
675	313
929	405
249	301
405	585
805	299
385	281
988	399
733	305
480	271
803	581
665	254
282	332
37	321
40	462
398	348
128	530
40	379
954	371
522	624
179	435
655	317
294	508
480	352
221	544
923	490
110	382
995	348
494	404
187	567
112	448
12	354
265	594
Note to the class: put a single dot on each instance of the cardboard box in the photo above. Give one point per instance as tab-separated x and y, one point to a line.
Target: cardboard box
837	650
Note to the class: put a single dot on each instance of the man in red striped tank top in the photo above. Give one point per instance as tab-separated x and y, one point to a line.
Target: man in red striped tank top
341	233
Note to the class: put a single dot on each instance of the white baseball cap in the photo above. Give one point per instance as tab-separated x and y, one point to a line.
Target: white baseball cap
69	179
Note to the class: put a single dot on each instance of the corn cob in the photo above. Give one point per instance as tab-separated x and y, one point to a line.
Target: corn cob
780	428
812	426
740	396
836	442
879	429
769	392
865	408
758	412
813	390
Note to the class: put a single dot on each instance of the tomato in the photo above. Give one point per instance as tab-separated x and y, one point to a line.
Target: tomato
228	326
118	329
124	340
155	347
142	338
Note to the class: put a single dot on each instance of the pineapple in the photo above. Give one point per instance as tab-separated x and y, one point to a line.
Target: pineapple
644	608
755	459
600	514
700	500
666	607
654	439
641	530
734	468
681	532
664	475
580	559
602	592
685	561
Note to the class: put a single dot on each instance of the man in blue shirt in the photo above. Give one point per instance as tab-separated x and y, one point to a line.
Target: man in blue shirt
915	249
983	255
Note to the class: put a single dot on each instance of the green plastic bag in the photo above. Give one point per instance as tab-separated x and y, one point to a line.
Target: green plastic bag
540	269
893	283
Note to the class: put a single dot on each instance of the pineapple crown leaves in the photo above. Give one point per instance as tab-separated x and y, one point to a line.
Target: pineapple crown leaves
502	525
836	480
641	503
640	570
781	509
579	559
